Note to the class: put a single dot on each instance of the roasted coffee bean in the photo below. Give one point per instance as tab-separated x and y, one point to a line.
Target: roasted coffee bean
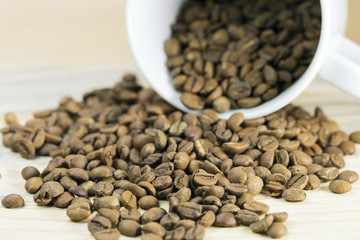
313	182
256	206
78	211
279	216
349	176
195	232
129	228
10	118
262	225
246	217
153	215
111	214
207	219
190	210
13	201
106	202
64	200
254	185
277	230
328	173
108	234
148	202
29	172
128	200
33	184
225	219
340	186
355	137
169	220
26	148
202	178
298	181
154	228
98	224
192	101
133	214
294	195
237	175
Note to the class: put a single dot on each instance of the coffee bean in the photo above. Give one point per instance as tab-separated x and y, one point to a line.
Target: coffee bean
78	211
155	228
98	224
108	234
38	138
349	176
277	230
133	214
106	202
190	210
294	195
153	215
13	201
262	225
148	202
169	220
202	178
313	182
64	200
256	206
225	219
246	217
355	137
26	148
129	228
192	101
207	219
29	172
279	216
328	173
340	186
10	118
195	232
111	214
254	185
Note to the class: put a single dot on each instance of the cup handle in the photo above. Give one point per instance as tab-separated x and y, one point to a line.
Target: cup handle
342	66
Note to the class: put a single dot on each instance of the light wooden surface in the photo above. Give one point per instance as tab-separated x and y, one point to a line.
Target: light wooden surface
42	34
323	215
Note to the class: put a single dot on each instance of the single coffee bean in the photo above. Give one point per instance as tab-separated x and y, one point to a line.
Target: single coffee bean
328	173
190	210
78	211
111	214
313	182
108	234
262	225
207	219
98	224
106	202
26	148
294	195
186	223
133	214
195	232
13	201
29	172
155	228
153	215
10	118
340	186
64	200
38	137
169	220
277	230
254	185
237	175
225	219
355	137
192	101
246	217
257	207
148	202
349	176
202	178
129	228
279	216
33	184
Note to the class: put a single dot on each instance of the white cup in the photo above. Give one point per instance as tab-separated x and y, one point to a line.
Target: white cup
337	59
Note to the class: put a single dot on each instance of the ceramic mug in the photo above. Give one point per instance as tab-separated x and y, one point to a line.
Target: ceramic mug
337	59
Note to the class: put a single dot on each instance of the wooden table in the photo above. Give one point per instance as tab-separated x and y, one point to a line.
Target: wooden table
323	215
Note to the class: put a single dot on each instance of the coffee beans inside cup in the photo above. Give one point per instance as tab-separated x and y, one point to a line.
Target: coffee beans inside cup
239	54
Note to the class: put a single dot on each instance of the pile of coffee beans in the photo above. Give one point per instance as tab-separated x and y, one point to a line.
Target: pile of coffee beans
125	148
234	54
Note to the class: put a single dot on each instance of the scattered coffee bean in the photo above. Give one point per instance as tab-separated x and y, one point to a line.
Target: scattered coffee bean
349	176
78	211
10	118
277	230
13	201
340	186
29	172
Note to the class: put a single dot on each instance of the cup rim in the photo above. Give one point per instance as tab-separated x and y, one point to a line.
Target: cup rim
266	108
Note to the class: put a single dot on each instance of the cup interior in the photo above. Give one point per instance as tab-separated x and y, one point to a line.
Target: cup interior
148	26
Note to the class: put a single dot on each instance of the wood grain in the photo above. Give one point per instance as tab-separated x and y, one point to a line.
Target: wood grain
323	215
